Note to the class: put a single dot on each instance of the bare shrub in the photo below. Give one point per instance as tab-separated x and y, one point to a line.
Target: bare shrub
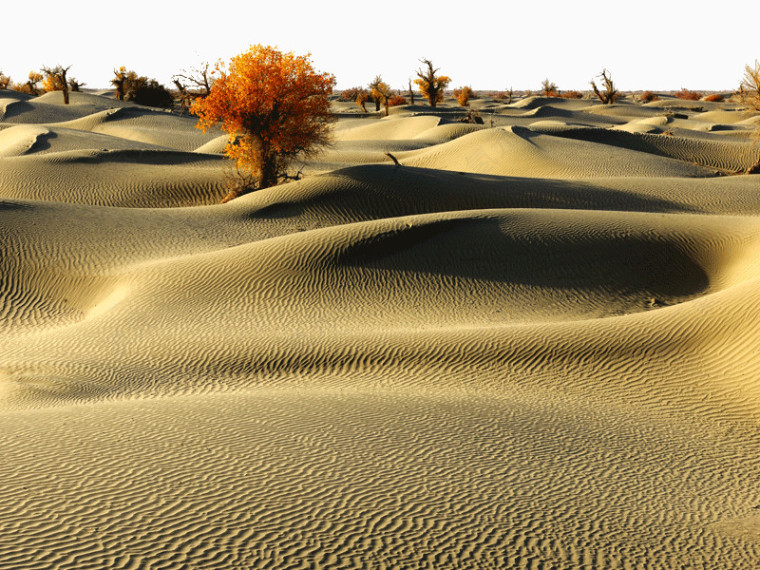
549	88
749	91
608	93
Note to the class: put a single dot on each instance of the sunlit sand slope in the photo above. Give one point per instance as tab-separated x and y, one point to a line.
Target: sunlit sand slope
519	348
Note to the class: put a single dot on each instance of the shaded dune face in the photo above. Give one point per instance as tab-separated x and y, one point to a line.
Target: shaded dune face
532	344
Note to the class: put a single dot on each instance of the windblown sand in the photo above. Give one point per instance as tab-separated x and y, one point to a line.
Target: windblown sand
535	344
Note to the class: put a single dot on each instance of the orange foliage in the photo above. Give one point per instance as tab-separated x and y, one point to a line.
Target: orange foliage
381	92
715	98
4	80
52	83
571	95
688	95
431	85
648	96
30	86
362	96
397	100
463	95
274	106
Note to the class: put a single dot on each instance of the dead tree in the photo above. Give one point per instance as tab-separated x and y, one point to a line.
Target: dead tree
608	96
200	80
76	86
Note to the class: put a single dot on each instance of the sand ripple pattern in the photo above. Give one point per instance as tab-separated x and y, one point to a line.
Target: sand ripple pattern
531	345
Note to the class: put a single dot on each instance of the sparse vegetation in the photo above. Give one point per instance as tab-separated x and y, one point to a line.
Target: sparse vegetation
127	83
715	98
31	86
362	96
571	95
397	100
193	83
274	106
381	93
152	94
430	84
687	95
372	89
139	89
463	95
608	93
549	89
4	80
507	95
473	117
411	93
648	97
197	81
350	94
749	91
75	85
56	80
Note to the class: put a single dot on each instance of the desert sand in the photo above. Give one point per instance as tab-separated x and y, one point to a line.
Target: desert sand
534	344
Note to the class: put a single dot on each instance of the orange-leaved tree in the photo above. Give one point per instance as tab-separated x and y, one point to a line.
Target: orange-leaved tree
431	85
274	106
55	80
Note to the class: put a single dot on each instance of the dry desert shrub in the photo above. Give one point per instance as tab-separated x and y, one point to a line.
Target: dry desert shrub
397	100
350	94
139	89
715	98
4	80
749	91
193	83
75	85
31	86
153	94
549	89
687	95
507	95
648	97
463	95
571	94
608	93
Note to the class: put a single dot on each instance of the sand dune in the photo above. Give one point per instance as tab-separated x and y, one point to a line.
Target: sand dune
532	345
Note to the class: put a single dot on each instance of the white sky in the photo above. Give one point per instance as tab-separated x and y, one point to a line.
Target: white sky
661	45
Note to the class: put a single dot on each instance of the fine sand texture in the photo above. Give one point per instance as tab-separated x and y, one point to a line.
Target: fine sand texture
531	344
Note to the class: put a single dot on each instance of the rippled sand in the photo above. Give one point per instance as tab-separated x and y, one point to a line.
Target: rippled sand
532	345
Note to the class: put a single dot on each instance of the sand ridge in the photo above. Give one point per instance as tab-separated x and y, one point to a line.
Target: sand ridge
532	344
